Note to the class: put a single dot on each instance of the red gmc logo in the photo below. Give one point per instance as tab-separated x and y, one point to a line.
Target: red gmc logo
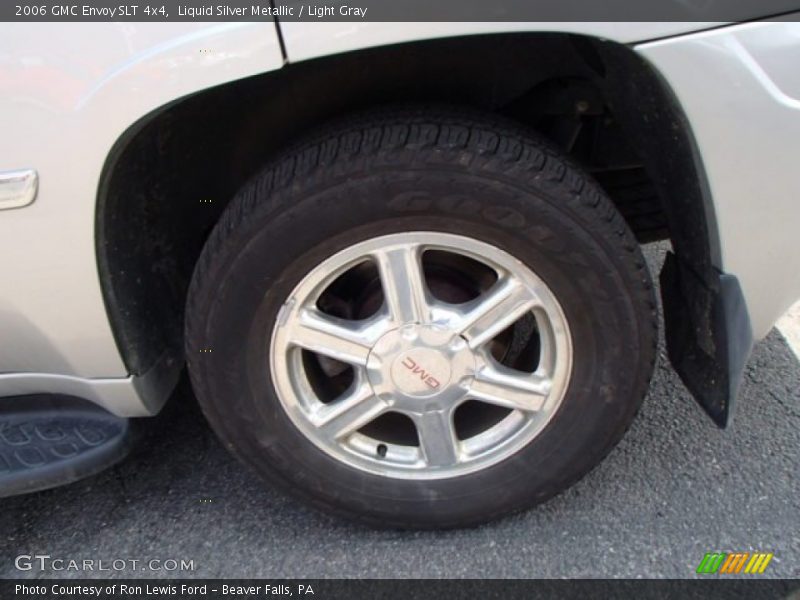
410	364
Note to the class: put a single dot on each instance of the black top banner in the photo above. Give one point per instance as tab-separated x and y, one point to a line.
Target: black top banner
414	589
397	10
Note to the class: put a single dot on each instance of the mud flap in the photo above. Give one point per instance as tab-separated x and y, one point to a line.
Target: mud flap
708	333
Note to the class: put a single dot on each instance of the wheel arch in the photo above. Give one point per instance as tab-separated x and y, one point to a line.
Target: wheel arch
171	174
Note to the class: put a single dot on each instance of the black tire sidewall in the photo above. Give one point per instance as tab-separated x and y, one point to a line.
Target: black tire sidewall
281	241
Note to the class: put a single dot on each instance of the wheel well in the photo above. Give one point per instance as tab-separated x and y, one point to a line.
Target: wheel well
170	176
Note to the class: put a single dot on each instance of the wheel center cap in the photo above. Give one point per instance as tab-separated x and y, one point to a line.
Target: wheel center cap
417	363
421	372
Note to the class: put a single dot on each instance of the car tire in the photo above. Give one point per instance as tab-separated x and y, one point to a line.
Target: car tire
477	202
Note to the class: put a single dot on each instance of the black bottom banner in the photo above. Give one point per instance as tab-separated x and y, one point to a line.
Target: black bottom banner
377	589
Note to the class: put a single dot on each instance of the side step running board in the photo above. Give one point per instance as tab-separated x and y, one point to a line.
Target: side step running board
46	441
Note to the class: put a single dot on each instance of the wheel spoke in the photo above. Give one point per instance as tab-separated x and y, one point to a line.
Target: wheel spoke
496	310
509	388
437	437
403	283
336	338
346	415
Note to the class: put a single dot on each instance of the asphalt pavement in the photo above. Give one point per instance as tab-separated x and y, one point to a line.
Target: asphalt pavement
675	488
